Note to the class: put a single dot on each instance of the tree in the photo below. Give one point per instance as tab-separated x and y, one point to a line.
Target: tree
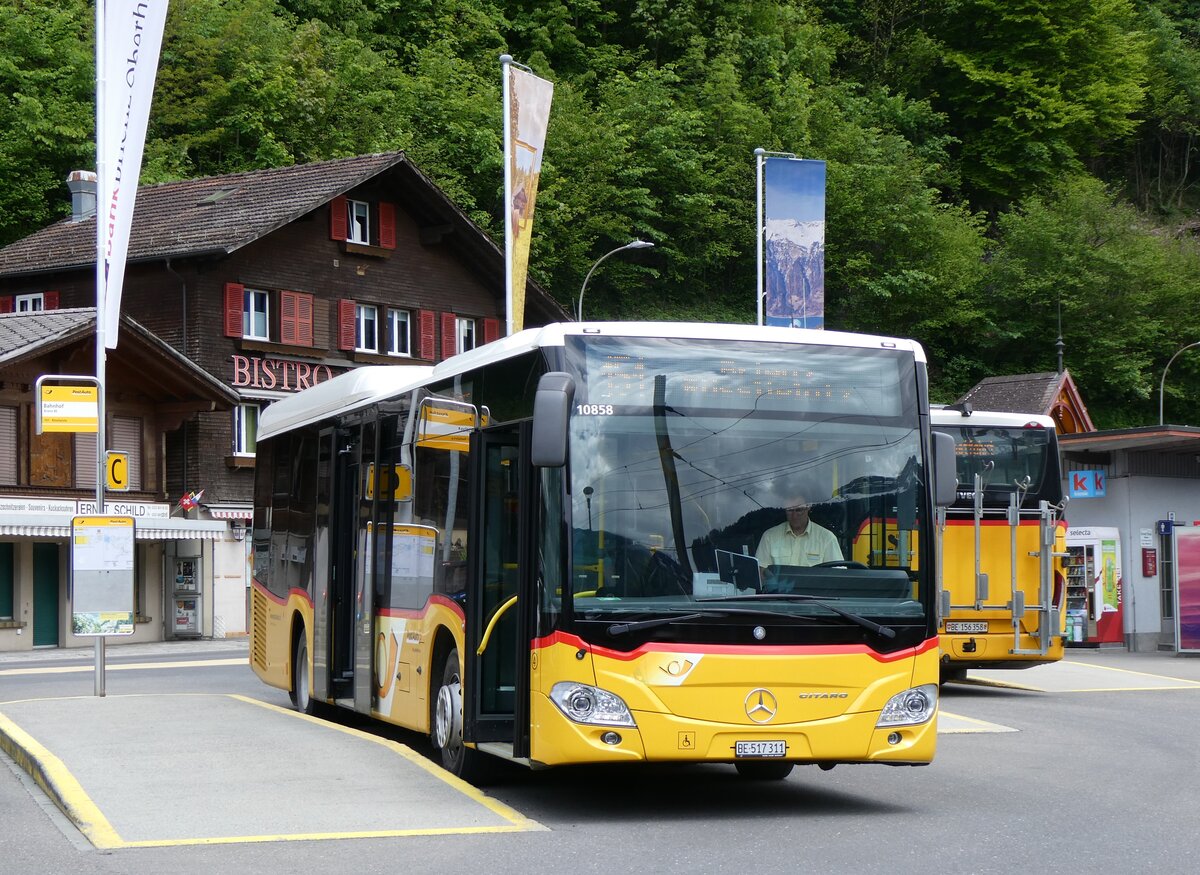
1126	293
47	109
1037	87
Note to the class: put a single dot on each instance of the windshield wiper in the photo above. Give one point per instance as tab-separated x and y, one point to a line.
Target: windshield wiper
622	628
885	631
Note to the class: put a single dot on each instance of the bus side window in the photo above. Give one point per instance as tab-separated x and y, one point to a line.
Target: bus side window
440	501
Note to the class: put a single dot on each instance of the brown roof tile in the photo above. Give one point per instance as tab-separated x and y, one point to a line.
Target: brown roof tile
213	214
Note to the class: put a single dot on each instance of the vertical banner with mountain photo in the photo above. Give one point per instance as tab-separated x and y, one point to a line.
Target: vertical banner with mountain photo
127	64
528	102
794	245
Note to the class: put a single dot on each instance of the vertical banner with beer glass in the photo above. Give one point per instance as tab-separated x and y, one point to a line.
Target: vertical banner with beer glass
127	63
794	242
526	116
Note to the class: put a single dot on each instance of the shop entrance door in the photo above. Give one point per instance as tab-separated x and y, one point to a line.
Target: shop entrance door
46	617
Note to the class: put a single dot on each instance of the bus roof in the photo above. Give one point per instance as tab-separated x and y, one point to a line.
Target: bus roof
555	334
951	416
371	383
341	394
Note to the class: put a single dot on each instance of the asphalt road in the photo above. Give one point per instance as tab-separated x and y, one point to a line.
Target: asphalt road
1094	770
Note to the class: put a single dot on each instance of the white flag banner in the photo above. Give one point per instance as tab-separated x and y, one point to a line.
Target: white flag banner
133	31
527	99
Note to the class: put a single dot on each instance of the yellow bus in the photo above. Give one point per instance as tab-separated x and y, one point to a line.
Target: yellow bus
1003	543
543	550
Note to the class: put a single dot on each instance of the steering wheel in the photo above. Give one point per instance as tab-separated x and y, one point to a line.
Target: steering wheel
841	563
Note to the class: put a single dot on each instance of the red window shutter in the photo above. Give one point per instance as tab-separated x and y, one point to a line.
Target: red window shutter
491	330
296	318
449	344
387	225
337	218
346	333
50	301
235	304
426	321
6	304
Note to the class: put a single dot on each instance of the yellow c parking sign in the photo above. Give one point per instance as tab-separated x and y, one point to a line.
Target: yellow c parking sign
116	471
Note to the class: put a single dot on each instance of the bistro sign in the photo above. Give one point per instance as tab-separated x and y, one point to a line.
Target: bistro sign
252	372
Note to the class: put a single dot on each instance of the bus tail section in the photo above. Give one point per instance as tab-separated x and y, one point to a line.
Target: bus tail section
1002	544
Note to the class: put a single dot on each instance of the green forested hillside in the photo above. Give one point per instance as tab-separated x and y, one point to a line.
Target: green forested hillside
996	167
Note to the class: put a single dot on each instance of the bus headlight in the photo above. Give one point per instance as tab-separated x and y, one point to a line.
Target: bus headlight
586	704
914	706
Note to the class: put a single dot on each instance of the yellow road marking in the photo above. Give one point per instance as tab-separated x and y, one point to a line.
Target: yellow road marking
1047	673
979	725
127	666
1186	683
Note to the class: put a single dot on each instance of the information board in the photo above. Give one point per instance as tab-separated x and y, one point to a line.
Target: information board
102	569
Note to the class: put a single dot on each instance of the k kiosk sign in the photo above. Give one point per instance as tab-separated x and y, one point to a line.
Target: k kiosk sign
1085	484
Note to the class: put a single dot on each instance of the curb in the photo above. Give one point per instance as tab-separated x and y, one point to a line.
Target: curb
49	773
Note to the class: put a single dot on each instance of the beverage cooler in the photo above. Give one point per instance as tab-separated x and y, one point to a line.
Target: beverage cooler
185	618
1094	597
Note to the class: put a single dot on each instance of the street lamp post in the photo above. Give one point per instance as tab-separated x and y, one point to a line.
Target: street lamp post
633	244
1163	381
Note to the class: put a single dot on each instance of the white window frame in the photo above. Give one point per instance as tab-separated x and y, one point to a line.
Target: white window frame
31	303
358	222
245	428
399	332
464	331
366	328
256	304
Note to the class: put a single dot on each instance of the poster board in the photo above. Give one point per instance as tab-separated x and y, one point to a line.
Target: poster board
102	582
1187	589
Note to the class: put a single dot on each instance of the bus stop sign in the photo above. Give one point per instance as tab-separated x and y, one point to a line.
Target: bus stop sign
116	471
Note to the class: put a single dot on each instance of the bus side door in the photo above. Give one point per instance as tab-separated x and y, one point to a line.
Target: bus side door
500	597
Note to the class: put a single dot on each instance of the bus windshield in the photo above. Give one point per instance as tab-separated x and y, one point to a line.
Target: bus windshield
687	455
1008	460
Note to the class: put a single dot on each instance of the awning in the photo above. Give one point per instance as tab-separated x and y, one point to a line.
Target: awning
231	512
55	525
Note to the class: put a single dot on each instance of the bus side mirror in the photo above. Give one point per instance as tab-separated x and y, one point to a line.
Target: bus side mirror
551	419
945	469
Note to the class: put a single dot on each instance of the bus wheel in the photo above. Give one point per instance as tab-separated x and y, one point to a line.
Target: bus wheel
952	674
446	724
301	696
764	770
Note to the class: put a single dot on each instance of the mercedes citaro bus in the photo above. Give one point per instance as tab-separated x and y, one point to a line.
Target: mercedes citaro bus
544	550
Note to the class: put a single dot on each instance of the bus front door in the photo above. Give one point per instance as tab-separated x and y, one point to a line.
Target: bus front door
499	595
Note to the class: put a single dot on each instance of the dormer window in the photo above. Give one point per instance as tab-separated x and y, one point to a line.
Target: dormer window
30	303
364	227
358	222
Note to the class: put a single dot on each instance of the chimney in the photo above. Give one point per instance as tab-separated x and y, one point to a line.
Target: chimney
82	185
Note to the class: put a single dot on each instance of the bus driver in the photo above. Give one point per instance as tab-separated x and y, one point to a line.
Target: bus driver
797	540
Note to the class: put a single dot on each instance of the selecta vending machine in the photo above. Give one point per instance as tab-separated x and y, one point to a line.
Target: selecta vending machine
1094	597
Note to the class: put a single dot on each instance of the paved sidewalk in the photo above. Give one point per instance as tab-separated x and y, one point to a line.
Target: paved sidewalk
177	769
190	646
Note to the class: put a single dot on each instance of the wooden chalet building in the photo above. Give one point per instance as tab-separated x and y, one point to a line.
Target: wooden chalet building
251	286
